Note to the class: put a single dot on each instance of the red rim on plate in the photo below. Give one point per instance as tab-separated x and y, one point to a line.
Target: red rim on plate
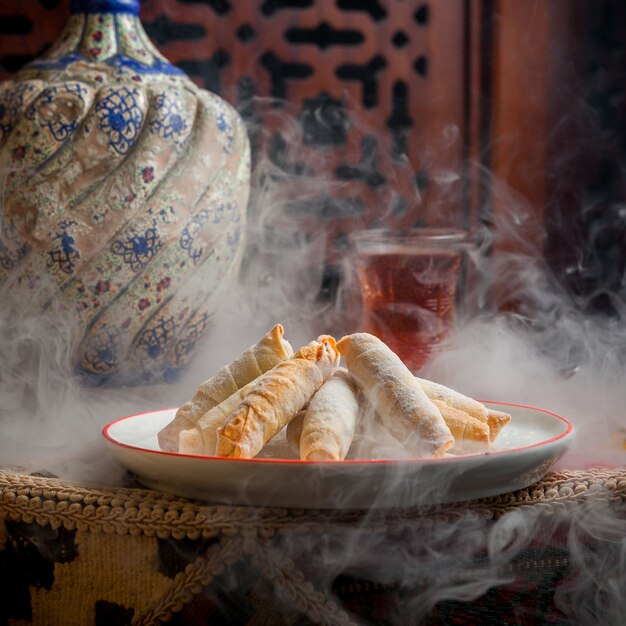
567	431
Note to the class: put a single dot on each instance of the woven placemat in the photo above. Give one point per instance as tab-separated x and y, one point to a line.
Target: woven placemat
135	511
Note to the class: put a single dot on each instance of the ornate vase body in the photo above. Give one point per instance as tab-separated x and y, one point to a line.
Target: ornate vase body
125	190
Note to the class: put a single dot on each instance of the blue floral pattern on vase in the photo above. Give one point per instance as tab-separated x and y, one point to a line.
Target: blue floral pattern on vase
122	62
213	215
225	127
193	333
153	341
119	62
169	121
65	255
12	250
120	118
139	249
60	121
11	101
190	232
101	355
233	238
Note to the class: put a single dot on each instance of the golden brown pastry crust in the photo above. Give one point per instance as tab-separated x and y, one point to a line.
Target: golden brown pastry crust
496	420
470	434
276	399
202	437
396	395
259	358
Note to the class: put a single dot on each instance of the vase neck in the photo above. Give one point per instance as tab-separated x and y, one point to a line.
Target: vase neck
106	33
104	6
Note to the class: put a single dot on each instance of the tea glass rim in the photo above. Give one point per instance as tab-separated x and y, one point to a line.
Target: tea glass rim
444	237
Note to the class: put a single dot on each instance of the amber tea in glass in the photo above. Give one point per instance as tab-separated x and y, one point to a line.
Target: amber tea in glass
408	285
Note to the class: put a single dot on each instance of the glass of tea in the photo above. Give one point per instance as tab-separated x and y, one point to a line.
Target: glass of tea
408	281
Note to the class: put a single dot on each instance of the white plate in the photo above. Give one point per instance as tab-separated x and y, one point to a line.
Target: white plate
532	441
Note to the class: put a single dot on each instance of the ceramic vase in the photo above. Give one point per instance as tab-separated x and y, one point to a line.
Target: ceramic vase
125	191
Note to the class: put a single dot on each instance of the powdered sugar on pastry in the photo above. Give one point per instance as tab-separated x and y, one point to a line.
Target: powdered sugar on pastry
330	420
396	395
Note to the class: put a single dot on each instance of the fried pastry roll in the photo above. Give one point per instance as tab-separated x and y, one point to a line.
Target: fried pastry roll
330	419
470	434
396	395
495	420
202	437
259	358
276	399
293	432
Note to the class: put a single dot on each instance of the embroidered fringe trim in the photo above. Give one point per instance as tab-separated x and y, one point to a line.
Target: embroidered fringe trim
55	502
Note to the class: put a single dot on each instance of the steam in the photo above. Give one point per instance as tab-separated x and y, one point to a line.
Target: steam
549	355
47	420
284	262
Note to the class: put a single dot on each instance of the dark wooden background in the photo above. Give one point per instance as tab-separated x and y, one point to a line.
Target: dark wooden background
500	116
